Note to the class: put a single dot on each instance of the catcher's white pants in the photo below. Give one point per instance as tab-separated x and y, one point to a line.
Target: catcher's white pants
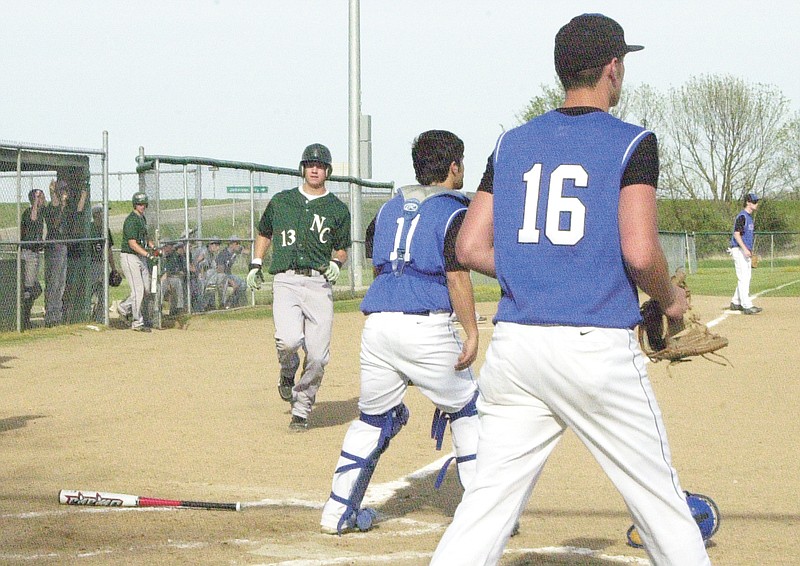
536	382
744	272
396	347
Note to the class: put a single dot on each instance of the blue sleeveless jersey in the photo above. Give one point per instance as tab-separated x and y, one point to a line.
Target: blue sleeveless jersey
408	250
558	255
748	236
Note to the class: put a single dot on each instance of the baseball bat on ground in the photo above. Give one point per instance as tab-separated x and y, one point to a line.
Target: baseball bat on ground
105	499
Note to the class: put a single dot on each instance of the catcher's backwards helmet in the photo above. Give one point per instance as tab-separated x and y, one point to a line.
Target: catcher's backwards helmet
319	153
139	198
704	512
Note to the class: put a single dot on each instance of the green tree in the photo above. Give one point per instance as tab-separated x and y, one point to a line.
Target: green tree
724	137
552	97
789	138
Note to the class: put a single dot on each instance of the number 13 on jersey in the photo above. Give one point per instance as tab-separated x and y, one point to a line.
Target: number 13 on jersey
557	204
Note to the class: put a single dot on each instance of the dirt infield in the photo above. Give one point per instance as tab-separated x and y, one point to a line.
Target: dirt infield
194	413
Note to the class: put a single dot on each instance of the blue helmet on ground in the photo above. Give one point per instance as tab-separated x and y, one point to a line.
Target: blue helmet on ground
705	513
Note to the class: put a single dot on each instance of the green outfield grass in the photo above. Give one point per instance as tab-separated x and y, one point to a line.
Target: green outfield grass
721	281
712	279
716	279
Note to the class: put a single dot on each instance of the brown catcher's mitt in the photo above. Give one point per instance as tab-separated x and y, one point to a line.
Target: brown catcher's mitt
664	339
114	278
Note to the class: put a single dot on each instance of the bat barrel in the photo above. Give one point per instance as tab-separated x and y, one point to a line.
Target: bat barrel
211	505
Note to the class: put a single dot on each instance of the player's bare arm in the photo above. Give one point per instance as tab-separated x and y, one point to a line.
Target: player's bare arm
641	249
138	248
475	244
260	246
459	286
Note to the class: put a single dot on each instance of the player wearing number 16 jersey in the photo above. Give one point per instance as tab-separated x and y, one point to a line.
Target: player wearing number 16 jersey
566	219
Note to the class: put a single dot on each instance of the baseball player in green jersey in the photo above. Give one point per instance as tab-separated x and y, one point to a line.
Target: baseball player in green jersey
309	230
134	258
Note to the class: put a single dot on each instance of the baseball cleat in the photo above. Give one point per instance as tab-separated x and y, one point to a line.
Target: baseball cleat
735	307
325	530
752	310
298	424
285	388
362	521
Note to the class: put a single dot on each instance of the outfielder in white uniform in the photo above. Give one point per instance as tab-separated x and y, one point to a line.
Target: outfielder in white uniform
409	335
573	192
741	250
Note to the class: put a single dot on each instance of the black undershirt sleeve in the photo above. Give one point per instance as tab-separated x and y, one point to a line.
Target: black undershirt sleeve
450	260
739	226
369	238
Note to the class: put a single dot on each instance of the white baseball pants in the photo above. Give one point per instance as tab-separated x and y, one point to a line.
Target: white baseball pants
538	381
137	273
303	316
744	272
395	348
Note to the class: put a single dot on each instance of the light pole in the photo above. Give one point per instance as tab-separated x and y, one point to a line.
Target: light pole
354	137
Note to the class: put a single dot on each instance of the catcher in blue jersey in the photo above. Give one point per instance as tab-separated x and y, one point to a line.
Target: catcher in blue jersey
566	219
409	335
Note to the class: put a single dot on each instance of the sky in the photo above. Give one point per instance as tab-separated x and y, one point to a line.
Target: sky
257	81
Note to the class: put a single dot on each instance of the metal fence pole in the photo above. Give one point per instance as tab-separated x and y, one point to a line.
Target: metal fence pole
156	297
252	234
19	246
187	249
107	244
772	251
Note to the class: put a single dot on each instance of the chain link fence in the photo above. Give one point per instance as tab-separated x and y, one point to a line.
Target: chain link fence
49	268
211	208
775	249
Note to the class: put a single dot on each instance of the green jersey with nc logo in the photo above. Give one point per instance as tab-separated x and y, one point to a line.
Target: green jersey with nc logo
304	232
135	228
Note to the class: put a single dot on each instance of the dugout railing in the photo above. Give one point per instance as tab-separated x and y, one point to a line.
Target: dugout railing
198	201
65	289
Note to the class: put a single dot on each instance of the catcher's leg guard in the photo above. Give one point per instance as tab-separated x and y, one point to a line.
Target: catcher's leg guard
388	425
464	428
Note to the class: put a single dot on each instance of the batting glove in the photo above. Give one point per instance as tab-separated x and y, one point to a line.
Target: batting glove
255	278
332	273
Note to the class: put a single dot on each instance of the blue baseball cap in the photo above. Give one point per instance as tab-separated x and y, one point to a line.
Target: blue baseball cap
751	197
